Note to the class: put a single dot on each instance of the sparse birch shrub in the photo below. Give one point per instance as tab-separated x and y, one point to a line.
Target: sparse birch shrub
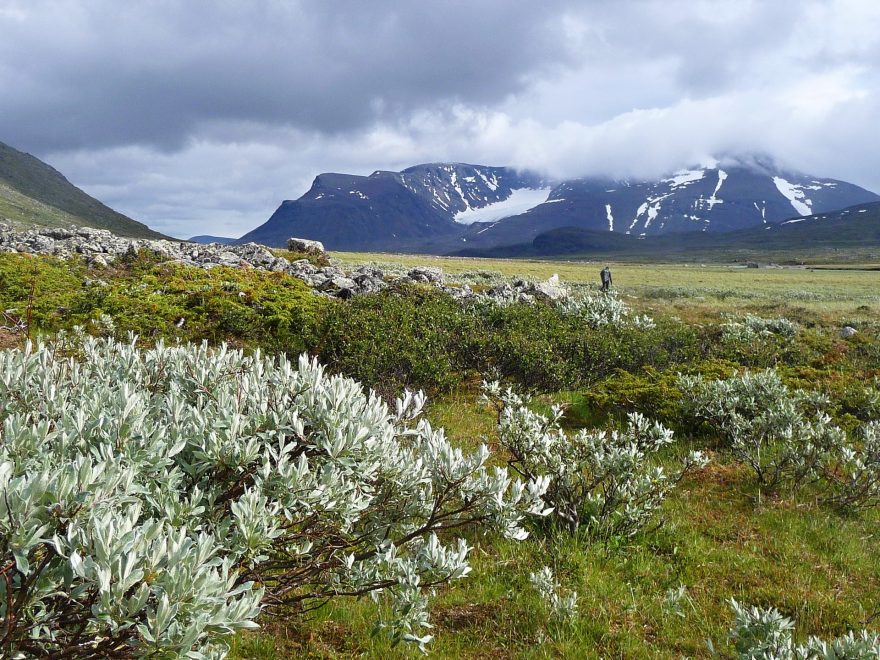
604	309
607	485
151	503
860	401
561	607
759	634
759	342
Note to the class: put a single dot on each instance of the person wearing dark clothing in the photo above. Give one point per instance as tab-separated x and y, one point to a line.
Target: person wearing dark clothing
605	276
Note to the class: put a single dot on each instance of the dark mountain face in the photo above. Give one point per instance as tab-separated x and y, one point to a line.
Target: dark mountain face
34	193
354	213
389	210
424	208
857	226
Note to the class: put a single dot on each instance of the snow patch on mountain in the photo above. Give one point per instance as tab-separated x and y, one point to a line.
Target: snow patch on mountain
684	178
610	217
795	194
762	210
713	200
491	184
519	201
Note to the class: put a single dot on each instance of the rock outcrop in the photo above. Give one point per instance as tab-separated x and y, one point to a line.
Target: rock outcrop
101	248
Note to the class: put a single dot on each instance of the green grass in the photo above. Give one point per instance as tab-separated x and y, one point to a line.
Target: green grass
710	289
24	211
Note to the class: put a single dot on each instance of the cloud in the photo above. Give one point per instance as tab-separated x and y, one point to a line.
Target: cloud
201	117
152	72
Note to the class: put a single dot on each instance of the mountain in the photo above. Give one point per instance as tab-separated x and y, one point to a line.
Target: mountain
452	207
847	231
396	210
717	199
33	193
853	227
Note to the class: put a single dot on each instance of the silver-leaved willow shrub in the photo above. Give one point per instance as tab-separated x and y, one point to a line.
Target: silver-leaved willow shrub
786	436
754	328
600	310
606	484
154	502
764	633
561	607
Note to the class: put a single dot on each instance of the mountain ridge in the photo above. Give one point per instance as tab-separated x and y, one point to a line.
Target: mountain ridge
389	210
446	207
33	192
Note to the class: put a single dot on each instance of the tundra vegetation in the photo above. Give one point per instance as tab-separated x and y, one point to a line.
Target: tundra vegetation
691	465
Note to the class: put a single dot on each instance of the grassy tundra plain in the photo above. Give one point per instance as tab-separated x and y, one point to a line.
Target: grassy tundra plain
662	592
821	289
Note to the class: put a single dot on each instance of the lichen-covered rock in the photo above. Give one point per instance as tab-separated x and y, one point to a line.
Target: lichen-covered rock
430	274
305	245
547	290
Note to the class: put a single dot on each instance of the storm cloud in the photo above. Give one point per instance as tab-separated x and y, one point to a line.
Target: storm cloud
200	117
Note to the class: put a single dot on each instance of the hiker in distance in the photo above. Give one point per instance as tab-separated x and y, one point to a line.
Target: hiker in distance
605	276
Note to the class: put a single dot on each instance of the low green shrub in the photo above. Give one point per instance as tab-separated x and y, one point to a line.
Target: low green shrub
650	392
156	300
47	290
245	307
416	338
540	348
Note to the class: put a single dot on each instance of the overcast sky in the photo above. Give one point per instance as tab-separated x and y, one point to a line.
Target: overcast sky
201	116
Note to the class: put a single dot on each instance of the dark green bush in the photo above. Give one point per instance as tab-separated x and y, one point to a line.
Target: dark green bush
53	288
243	307
416	338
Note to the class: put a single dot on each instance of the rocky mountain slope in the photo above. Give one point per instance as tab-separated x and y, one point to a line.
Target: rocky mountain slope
392	210
34	193
445	207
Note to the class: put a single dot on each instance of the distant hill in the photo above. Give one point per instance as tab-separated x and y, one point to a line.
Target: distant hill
206	238
34	193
